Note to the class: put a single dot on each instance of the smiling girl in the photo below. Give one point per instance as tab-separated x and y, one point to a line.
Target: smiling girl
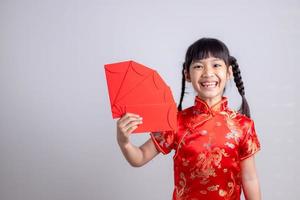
214	145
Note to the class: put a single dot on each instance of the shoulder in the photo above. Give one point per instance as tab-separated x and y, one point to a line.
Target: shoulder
244	122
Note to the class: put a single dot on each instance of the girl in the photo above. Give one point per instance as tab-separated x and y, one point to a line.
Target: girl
214	145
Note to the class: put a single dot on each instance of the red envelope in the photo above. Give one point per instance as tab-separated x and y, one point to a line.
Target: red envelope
161	117
146	93
138	89
136	74
122	77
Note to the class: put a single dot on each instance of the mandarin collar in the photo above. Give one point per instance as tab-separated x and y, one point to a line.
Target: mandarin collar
201	107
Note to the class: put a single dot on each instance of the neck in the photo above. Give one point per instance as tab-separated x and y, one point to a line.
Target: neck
211	101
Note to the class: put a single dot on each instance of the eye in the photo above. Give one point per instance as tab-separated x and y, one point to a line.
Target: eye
197	66
217	65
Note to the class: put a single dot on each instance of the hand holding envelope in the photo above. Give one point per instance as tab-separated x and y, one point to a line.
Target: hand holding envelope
135	88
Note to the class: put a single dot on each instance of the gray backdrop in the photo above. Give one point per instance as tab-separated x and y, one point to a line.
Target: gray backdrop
57	137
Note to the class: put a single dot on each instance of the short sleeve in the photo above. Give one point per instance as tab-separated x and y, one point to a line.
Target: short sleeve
250	143
164	141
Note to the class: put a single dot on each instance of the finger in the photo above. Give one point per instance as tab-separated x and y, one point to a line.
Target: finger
128	120
131	124
123	132
123	128
132	114
131	129
124	117
127	115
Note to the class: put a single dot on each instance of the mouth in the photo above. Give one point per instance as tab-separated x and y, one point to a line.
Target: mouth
209	84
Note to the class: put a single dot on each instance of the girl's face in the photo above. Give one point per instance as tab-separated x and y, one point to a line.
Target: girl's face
208	77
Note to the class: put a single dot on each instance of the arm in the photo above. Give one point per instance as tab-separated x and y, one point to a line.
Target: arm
136	156
250	181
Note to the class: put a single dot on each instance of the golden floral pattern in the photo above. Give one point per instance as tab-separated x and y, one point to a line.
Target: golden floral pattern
209	145
206	163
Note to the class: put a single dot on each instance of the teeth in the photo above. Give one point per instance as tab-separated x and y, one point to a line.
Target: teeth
209	84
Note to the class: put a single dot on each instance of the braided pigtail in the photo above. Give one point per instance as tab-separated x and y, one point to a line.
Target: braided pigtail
182	88
244	109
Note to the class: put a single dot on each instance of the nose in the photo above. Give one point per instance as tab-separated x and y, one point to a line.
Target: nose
207	72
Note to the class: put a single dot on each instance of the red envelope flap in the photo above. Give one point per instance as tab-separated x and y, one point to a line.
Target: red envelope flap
118	67
144	93
118	111
158	81
135	75
156	117
115	74
140	69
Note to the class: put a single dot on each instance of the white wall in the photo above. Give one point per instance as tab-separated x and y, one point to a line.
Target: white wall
57	137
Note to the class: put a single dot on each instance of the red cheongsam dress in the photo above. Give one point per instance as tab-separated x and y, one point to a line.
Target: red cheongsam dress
209	145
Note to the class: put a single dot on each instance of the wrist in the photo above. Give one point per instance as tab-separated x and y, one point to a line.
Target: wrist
123	142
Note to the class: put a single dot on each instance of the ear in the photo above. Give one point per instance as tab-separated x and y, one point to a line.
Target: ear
187	76
229	73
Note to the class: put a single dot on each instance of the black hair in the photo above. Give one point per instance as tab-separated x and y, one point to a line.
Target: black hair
204	48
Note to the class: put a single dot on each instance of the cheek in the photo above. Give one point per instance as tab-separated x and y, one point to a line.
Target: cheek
196	74
193	76
224	78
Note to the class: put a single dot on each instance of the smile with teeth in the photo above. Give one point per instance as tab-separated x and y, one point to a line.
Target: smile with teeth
209	84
